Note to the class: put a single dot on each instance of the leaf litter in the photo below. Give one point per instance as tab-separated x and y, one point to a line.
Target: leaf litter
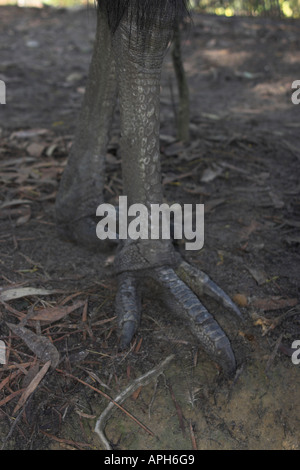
243	154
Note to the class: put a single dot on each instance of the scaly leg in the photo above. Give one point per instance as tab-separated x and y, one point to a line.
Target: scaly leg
137	56
81	187
139	62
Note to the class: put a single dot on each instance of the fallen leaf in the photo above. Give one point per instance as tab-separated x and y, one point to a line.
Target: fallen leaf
274	303
51	149
213	117
85	415
25	217
16	162
248	75
52	314
136	393
32	386
35	149
259	275
167	139
39	345
74	77
11	396
10	294
240	299
264	323
15	202
28	133
210	174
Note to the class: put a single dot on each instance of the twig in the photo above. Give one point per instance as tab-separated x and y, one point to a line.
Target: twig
274	352
276	322
152	399
140	381
113	402
20	414
66	441
14	424
178	410
192	434
32	386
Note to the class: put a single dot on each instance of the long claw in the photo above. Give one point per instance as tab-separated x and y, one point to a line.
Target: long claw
186	304
200	283
128	308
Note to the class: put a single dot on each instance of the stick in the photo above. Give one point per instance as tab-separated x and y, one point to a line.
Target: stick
141	381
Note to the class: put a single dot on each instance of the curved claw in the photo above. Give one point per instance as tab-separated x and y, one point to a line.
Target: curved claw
128	308
180	288
200	283
185	303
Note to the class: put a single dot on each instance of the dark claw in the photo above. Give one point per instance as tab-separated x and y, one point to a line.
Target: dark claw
200	283
128	308
183	302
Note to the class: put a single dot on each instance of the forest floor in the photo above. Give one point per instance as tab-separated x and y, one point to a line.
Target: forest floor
242	162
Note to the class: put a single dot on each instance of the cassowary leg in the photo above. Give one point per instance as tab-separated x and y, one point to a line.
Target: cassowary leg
81	187
139	61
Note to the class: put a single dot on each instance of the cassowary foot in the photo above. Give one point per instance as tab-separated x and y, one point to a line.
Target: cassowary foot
180	285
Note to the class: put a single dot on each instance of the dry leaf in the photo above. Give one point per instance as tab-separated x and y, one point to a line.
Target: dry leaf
210	174
24	218
10	294
40	345
16	162
35	149
240	299
259	275
52	314
136	393
15	202
85	415
29	133
274	303
32	386
11	396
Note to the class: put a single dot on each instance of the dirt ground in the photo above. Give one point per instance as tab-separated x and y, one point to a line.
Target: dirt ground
242	162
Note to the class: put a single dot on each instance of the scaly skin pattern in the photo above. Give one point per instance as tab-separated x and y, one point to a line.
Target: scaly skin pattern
130	61
81	187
